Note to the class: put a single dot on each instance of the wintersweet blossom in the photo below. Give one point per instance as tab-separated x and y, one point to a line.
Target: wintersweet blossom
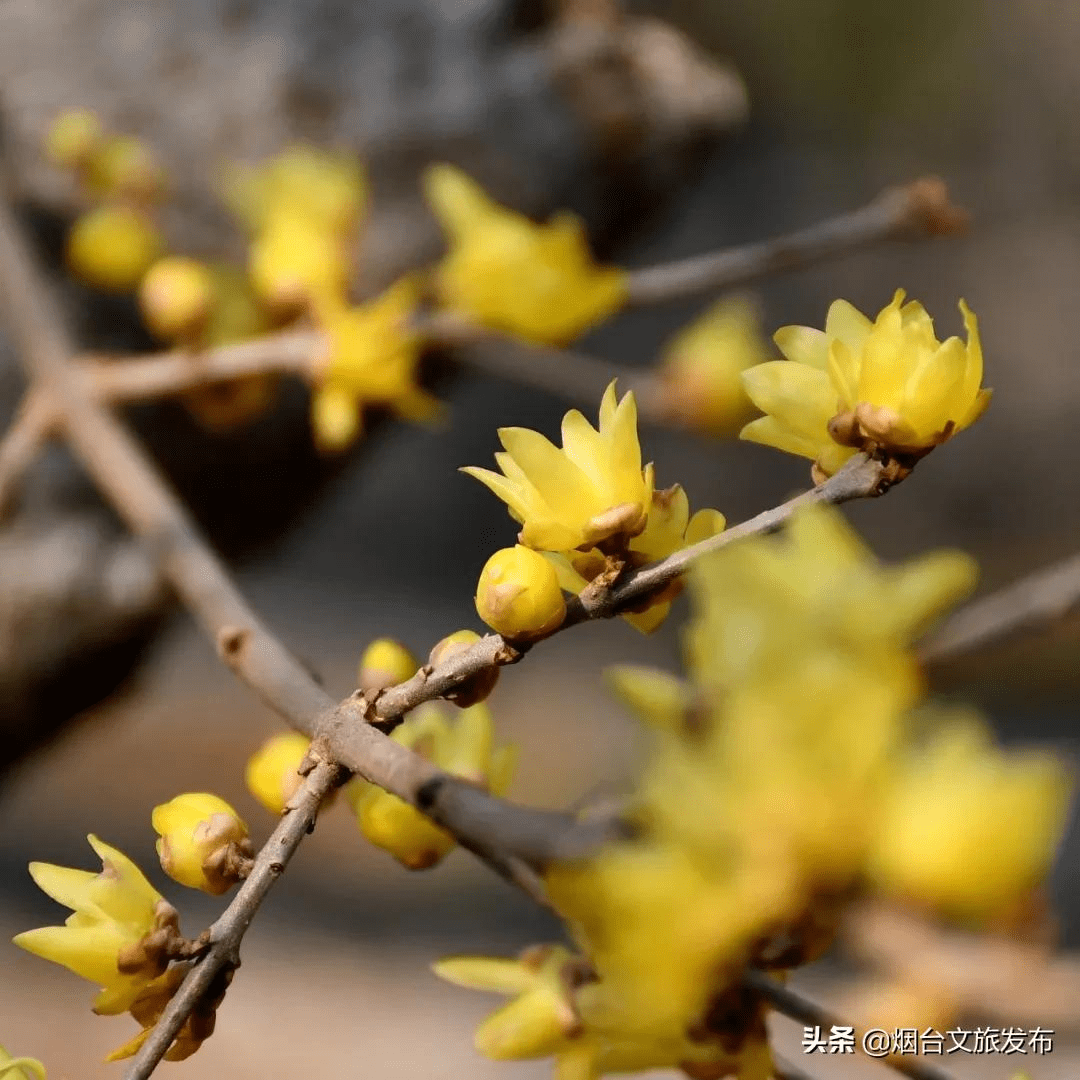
700	373
385	662
887	386
271	774
371	360
518	594
941	840
108	938
19	1068
506	272
203	841
591	492
463	747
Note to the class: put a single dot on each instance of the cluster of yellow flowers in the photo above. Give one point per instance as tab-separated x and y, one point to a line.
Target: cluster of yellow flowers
591	510
122	934
791	774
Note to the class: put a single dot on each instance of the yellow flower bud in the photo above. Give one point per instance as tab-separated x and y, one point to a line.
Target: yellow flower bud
518	595
72	137
176	296
204	843
294	263
122	167
111	247
271	774
474	689
20	1068
385	663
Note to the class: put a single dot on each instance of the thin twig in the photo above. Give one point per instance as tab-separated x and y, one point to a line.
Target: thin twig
807	1011
227	932
1045	597
22	442
921	208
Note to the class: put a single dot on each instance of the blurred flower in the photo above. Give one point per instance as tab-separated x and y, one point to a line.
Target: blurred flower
122	167
175	296
110	938
887	386
72	137
657	697
327	189
700	374
19	1068
518	594
535	281
295	263
271	774
941	840
463	747
372	360
474	689
204	843
591	492
385	663
111	247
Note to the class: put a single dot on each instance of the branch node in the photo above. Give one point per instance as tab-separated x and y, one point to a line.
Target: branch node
231	642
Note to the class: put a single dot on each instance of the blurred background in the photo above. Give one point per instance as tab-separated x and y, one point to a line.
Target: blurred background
709	124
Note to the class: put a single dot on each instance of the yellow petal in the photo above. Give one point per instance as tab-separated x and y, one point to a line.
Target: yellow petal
458	201
65	885
496	974
847	324
768	431
799	397
803	345
121	890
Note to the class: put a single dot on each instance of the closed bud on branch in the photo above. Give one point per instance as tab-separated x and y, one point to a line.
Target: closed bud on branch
272	772
204	843
175	296
477	687
385	663
518	594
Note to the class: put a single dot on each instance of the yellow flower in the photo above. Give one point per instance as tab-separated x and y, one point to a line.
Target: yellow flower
385	663
372	360
758	603
558	1009
535	281
72	137
328	189
271	774
540	1018
111	247
591	492
19	1068
107	940
122	167
943	839
701	368
887	386
463	748
475	689
518	594
203	841
176	295
668	529
296	263
657	697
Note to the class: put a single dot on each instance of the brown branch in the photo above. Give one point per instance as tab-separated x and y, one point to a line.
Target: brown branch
224	937
807	1011
32	426
1047	596
921	208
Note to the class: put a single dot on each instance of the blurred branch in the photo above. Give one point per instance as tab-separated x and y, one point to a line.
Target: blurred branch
224	937
919	209
22	442
805	1010
1043	598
